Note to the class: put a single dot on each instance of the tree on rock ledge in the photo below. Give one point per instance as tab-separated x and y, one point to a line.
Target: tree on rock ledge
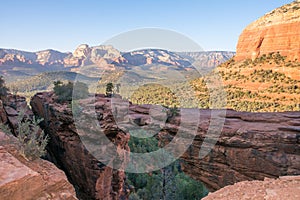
109	89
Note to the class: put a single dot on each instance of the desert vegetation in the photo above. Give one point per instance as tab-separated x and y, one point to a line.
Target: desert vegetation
267	83
168	183
64	91
32	141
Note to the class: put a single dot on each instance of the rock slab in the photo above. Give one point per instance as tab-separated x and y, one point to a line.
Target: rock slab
269	189
22	179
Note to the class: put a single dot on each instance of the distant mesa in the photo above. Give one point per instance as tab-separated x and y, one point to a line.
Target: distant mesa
277	31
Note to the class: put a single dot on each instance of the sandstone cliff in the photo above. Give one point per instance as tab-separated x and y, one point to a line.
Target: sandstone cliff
22	179
252	146
277	31
92	178
50	57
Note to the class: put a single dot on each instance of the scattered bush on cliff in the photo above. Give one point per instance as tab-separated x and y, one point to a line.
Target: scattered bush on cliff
32	141
109	89
3	88
64	92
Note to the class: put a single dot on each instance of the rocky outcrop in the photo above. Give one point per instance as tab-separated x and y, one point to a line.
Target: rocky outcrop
92	178
22	179
50	57
275	189
251	146
153	57
277	31
102	56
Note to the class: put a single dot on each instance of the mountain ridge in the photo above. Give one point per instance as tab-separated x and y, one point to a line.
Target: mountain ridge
102	57
83	52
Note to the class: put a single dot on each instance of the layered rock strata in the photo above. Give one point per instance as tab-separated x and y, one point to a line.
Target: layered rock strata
277	31
251	146
92	178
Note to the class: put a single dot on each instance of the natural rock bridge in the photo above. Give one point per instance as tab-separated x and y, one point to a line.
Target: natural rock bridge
250	146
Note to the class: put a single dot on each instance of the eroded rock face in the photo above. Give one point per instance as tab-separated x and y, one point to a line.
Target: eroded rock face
251	146
153	56
22	179
92	178
101	56
275	189
50	57
277	31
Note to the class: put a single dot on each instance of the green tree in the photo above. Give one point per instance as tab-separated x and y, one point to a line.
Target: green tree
109	89
64	92
167	183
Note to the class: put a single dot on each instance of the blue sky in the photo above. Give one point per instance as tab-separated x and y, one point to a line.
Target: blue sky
64	24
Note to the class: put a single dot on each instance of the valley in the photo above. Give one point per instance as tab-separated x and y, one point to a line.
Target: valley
99	123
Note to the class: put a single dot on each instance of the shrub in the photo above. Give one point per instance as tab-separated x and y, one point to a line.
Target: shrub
31	139
64	92
109	89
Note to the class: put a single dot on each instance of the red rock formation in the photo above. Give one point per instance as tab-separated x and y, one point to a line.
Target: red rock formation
50	57
251	146
22	179
93	179
277	31
282	188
